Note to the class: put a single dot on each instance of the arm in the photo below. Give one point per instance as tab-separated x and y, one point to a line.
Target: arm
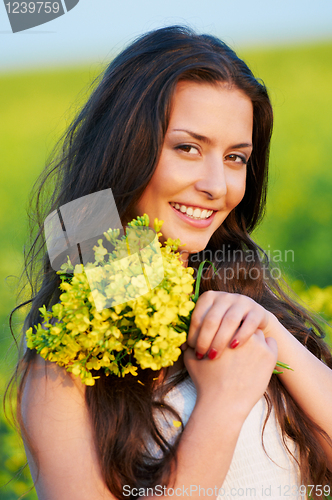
310	384
53	410
56	420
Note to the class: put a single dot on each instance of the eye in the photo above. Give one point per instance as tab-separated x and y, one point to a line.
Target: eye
188	148
239	159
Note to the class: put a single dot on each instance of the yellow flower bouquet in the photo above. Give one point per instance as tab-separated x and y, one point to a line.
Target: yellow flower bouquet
132	303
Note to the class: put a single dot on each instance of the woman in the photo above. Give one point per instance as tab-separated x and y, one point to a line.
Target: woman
179	129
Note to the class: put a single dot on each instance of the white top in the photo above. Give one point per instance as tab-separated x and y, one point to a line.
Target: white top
252	473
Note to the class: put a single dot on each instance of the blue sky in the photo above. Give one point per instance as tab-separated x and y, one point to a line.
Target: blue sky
96	29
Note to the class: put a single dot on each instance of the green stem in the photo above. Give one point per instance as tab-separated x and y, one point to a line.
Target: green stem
199	276
282	365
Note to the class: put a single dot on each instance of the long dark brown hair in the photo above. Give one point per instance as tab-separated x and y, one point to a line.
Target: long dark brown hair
115	142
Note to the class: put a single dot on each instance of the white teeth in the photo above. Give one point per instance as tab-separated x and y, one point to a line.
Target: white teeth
193	213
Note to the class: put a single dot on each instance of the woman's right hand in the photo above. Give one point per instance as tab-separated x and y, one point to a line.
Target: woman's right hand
239	376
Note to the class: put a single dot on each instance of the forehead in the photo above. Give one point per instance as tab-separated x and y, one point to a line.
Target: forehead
211	107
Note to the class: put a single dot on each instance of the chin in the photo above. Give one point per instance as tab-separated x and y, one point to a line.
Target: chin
192	249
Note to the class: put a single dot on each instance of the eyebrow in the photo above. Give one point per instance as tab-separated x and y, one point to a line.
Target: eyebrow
208	141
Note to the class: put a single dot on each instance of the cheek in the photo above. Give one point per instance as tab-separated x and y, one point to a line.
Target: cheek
236	189
169	178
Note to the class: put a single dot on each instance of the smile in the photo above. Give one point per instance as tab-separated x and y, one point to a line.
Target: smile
192	212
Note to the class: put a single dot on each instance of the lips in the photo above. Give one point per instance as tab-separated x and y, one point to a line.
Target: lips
190	220
195	213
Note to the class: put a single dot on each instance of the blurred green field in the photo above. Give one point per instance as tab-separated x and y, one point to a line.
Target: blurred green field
36	107
299	213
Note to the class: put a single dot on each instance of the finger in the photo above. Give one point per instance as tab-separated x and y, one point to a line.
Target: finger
272	348
230	324
260	334
248	327
202	308
189	354
272	353
209	327
272	343
189	358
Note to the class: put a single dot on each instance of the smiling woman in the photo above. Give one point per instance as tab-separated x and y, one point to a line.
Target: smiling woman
179	128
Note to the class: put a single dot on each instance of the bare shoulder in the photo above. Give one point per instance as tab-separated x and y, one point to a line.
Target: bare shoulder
59	442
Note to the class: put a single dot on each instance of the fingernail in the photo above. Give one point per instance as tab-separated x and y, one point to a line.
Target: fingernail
212	353
199	355
234	343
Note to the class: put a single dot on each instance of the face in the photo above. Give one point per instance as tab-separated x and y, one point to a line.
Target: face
201	174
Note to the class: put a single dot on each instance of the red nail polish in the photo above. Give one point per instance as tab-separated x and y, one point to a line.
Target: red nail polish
199	355
234	343
212	353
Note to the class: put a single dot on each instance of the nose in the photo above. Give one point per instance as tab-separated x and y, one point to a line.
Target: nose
212	178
